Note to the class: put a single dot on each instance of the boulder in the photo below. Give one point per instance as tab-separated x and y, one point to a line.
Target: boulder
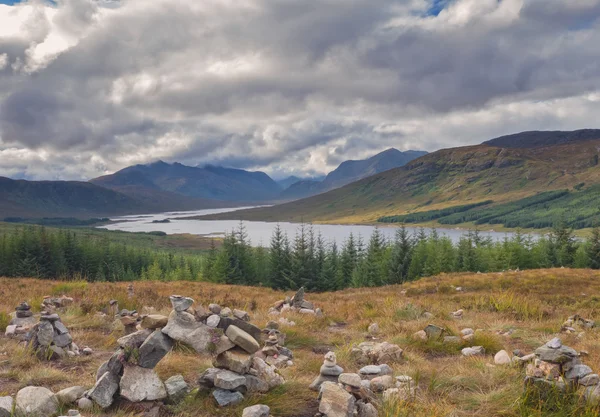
229	380
336	401
225	398
176	388
36	402
141	384
235	360
70	395
154	321
184	328
104	391
6	406
242	339
156	347
257	411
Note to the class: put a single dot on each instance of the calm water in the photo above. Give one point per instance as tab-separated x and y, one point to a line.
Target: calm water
258	232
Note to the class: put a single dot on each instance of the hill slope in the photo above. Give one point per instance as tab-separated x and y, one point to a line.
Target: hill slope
536	139
445	178
207	182
35	199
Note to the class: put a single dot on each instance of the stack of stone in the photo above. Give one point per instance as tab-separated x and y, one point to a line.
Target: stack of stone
22	321
129	319
50	338
330	372
295	304
376	353
558	368
221	332
405	389
273	352
576	321
50	304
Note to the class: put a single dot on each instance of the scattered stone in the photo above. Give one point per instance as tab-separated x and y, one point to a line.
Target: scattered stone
257	411
502	358
420	335
87	351
473	351
36	402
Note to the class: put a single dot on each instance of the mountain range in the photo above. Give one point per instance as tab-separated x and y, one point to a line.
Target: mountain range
501	170
160	186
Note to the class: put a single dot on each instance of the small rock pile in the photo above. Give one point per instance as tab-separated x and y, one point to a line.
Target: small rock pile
273	352
50	338
330	372
295	304
50	304
376	353
128	318
22	321
575	322
558	368
346	398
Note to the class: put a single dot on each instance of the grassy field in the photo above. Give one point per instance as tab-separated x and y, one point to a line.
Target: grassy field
514	310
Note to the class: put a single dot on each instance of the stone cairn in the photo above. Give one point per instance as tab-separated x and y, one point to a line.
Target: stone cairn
558	369
575	323
51	340
372	353
51	304
295	304
274	352
225	334
22	321
355	394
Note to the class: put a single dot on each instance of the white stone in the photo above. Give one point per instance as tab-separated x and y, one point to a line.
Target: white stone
141	384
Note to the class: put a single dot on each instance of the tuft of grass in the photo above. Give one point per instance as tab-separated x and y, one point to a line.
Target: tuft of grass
69	287
4	320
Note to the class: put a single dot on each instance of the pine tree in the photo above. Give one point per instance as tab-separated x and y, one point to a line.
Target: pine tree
593	248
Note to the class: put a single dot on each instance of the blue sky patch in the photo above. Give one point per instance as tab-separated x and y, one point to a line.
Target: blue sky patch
436	7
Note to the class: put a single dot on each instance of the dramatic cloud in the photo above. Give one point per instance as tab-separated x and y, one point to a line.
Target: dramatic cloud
291	87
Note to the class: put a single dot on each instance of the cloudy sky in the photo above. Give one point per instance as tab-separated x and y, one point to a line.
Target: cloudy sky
287	86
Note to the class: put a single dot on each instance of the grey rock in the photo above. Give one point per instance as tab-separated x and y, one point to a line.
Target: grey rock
115	363
134	340
336	401
62	340
60	327
105	389
229	380
352	380
320	380
184	328
242	339
226	312
335	370
473	351
213	321
6	406
266	372
87	351
577	372
434	332
176	388
241	314
370	370
141	384
214	308
156	347
256	385
207	378
102	369
298	298
366	410
45	333
249	328
85	404
235	360
180	303
592	379
36	402
287	352
258	410
225	398
556	355
49	317
554	343
70	395
381	383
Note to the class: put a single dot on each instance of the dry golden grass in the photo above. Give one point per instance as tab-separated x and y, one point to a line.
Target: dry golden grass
533	304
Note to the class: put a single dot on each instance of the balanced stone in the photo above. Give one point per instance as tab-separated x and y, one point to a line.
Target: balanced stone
45	333
180	303
335	370
154	321
242	339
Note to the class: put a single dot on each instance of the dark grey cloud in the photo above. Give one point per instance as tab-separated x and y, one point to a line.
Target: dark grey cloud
290	87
